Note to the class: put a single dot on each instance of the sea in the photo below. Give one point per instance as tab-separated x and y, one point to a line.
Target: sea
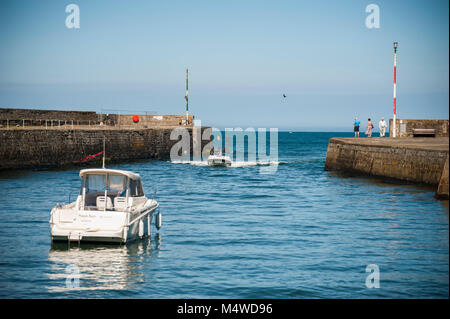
296	231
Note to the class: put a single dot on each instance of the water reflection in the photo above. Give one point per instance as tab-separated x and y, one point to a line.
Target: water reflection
101	267
444	204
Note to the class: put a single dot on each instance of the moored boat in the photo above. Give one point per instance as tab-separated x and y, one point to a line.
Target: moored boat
111	207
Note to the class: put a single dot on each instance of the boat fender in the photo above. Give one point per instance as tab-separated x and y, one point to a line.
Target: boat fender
158	220
141	228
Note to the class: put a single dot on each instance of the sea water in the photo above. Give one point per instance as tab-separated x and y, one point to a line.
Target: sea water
301	232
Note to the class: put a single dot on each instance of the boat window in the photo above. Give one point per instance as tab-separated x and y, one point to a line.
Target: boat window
95	186
136	188
95	183
140	189
117	184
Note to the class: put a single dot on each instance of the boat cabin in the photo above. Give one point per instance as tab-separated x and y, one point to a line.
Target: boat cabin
109	189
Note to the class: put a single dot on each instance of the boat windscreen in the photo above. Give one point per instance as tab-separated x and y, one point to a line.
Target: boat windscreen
117	184
136	188
95	183
114	184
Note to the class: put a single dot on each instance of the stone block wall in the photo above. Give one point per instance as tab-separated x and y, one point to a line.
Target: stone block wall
30	114
155	120
31	148
10	117
408	164
405	127
443	189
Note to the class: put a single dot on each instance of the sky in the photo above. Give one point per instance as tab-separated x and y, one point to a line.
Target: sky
242	57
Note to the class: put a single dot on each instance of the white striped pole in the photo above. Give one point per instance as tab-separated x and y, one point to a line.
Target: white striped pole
187	98
395	91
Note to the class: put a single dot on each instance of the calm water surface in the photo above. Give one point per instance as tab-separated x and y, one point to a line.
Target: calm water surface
235	233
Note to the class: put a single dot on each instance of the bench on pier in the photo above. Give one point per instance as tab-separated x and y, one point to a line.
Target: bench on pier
424	132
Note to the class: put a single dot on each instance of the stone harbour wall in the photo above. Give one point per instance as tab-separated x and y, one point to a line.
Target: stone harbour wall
12	117
443	191
414	165
407	162
405	127
156	120
33	148
30	114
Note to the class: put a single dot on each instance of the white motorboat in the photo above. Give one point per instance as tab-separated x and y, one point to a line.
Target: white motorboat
111	207
219	160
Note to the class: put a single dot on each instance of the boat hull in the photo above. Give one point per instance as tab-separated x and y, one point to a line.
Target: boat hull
58	234
219	161
116	230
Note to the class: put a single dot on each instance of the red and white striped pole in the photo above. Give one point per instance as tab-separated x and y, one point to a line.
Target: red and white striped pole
187	97
394	133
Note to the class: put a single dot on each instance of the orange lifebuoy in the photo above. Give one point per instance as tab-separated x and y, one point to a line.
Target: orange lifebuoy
135	118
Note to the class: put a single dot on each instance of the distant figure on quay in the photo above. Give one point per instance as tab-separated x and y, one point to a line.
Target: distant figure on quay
369	128
382	126
356	124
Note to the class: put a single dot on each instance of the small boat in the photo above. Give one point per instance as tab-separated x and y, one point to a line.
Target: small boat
110	208
219	160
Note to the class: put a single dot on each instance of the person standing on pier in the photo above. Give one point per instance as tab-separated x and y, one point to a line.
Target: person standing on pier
382	126
356	124
369	128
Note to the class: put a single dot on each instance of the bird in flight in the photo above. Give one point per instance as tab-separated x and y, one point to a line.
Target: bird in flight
284	95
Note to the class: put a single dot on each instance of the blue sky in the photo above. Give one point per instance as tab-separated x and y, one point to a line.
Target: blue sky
242	56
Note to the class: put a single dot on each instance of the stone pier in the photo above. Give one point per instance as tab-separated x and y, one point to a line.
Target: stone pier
442	192
48	148
417	160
